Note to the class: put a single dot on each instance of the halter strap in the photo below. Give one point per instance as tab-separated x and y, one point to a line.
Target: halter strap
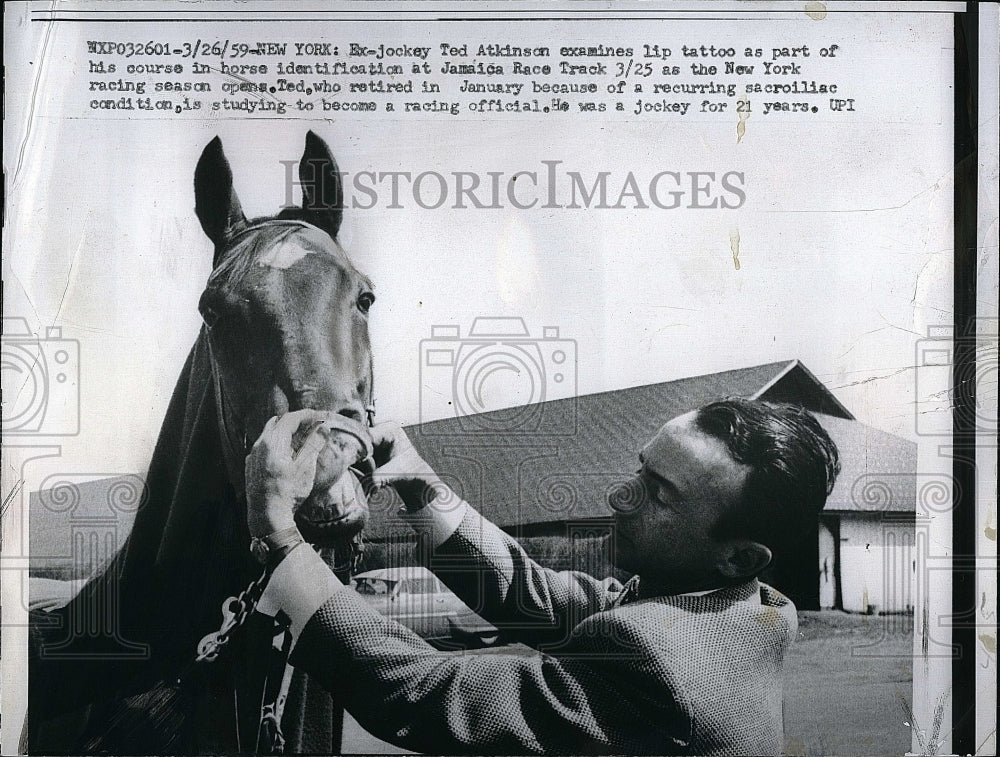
232	457
246	229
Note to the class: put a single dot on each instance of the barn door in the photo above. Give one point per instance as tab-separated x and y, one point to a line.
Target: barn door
827	565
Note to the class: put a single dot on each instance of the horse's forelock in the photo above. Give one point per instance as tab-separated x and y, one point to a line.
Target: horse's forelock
255	240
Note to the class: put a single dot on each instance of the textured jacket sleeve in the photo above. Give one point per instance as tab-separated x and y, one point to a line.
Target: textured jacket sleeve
493	575
601	696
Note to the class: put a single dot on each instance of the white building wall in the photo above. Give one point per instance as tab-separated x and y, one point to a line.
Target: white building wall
877	559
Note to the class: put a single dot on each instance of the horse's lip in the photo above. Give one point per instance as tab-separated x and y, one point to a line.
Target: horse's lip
349	427
328	521
336	423
327	532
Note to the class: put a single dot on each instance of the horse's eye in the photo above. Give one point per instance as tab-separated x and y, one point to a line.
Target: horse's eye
210	316
212	305
365	301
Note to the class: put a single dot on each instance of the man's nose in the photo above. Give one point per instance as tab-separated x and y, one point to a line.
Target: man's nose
628	496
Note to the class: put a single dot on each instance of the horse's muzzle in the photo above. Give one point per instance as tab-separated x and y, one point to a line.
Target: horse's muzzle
337	507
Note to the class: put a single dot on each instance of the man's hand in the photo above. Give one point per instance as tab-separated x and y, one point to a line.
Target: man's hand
278	477
399	464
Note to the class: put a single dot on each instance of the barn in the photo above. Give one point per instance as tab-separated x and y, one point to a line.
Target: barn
867	532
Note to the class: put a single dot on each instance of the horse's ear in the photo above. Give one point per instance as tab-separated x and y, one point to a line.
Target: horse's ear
215	201
322	187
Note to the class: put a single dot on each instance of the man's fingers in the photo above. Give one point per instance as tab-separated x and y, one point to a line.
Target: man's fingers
281	434
384	433
311	446
267	428
387	439
403	467
289	423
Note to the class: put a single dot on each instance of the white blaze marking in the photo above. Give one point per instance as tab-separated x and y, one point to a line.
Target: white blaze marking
283	255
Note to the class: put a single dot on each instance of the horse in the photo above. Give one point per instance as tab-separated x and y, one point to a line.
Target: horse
285	328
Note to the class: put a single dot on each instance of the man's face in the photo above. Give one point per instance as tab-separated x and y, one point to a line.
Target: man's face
664	516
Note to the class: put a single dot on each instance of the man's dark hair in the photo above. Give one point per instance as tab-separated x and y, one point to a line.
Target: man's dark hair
794	464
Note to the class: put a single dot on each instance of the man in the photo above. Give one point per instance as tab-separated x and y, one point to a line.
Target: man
687	660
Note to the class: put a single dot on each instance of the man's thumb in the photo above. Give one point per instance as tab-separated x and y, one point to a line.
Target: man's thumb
312	445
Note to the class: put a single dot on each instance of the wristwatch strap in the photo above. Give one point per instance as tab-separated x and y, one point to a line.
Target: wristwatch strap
272	549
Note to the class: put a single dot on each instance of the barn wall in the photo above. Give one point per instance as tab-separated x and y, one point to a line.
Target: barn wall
876	563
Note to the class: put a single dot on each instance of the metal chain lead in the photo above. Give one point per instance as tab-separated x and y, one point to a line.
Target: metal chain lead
235	611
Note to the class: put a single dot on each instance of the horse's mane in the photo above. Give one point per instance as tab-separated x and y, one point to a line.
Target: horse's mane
266	233
165	563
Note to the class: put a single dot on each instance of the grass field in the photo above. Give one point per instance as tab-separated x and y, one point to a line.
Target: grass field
847	678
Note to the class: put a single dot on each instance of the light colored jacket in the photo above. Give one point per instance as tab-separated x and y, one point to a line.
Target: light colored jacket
686	674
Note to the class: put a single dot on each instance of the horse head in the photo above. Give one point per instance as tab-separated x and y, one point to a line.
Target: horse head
286	316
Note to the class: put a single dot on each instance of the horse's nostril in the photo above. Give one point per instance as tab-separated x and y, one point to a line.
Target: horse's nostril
350	412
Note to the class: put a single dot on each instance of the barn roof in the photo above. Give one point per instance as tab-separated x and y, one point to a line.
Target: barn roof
878	470
557	461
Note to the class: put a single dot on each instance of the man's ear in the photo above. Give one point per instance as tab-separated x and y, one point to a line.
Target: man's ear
744	559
